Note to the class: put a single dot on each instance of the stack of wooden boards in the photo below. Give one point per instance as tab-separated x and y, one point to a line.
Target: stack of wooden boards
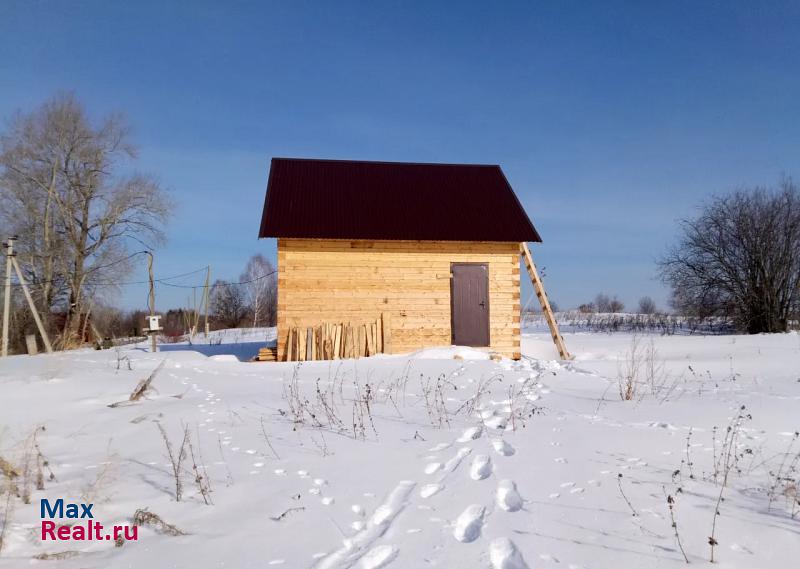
333	341
267	354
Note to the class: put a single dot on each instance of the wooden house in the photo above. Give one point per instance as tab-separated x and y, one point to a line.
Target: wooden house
393	257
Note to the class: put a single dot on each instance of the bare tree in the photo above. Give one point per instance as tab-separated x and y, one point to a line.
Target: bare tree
605	303
602	302
647	305
61	182
740	258
228	304
260	286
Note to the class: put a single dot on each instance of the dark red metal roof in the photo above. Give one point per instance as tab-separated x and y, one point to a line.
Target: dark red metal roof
345	199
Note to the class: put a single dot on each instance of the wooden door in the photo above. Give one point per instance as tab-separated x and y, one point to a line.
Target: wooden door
469	297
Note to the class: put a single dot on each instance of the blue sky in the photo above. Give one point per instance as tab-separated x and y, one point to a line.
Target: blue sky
612	120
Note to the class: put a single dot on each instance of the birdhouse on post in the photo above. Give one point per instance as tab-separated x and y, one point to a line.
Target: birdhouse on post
152	324
152	328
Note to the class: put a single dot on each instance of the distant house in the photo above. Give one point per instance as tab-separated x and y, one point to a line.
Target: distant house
394	257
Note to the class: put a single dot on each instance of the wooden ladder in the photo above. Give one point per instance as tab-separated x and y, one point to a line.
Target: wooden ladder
538	287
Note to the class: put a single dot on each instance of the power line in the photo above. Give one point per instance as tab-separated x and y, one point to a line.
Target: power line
162	280
222	283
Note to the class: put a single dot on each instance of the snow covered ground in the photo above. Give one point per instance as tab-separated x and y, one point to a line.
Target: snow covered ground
242	343
409	462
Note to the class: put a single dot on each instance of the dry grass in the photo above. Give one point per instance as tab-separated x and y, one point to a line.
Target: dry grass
483	389
785	480
6	510
59	556
144	517
142	387
7	469
328	407
433	393
643	372
176	458
726	464
199	472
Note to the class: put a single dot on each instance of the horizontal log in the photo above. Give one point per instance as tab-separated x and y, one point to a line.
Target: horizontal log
389	271
387	259
285	244
380	296
355	310
393	266
371	279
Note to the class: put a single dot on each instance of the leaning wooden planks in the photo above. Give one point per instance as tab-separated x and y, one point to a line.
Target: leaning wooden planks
333	341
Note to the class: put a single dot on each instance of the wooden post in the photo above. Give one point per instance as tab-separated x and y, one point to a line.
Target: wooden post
368	328
386	331
32	306
329	341
360	341
347	351
7	298
85	323
30	343
337	341
299	346
97	337
305	344
538	287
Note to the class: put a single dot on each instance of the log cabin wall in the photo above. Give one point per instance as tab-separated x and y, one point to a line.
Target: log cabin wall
322	280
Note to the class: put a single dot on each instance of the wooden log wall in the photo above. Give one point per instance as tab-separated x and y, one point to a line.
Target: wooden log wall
406	282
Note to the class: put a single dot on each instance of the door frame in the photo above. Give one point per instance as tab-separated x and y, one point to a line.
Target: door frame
488	304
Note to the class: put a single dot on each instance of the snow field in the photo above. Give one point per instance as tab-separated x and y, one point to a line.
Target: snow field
456	463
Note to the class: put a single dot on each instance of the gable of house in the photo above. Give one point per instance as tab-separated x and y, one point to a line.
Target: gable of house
343	199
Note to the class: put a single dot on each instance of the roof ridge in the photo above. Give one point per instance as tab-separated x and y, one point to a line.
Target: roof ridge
398	162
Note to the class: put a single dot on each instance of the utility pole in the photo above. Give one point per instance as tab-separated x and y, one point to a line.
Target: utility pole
32	305
7	298
206	294
11	262
195	313
153	346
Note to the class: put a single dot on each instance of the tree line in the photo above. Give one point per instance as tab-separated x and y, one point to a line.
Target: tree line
252	301
606	304
70	191
736	264
740	259
249	302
